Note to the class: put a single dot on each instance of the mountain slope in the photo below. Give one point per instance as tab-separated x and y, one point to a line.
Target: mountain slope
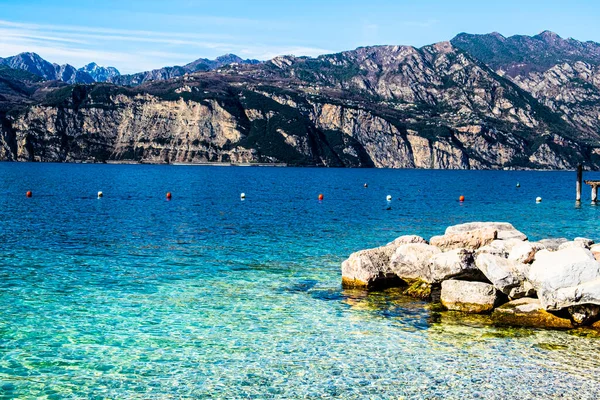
564	74
383	106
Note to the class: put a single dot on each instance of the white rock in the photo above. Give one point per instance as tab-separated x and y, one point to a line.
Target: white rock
411	262
586	293
369	268
568	245
562	269
587	242
501	248
407	239
506	275
524	252
505	230
466	296
457	263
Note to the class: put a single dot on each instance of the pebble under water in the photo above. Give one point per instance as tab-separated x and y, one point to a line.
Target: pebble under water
211	296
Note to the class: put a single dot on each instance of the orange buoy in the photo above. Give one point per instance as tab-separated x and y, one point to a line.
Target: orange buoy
461	198
320	197
29	194
168	195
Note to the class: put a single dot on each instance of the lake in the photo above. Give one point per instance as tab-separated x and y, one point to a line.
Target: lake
208	295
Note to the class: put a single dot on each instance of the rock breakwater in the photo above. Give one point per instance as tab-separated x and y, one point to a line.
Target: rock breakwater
490	268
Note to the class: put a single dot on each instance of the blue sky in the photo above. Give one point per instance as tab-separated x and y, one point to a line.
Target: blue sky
137	35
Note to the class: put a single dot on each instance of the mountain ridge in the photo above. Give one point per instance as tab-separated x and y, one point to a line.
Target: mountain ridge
437	106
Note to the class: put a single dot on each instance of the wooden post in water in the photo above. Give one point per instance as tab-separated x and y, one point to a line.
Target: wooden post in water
594	194
594	185
579	182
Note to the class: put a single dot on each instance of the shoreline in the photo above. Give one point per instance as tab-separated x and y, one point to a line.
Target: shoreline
280	165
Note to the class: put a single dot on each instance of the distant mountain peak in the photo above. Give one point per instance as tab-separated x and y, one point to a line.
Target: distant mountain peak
99	73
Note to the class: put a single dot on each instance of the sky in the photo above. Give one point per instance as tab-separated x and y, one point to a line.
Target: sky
134	35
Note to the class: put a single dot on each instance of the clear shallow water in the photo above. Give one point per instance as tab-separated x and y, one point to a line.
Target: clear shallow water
133	296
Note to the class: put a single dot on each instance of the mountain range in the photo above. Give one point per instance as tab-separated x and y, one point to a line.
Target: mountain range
475	102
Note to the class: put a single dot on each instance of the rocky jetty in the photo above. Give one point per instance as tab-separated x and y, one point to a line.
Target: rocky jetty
489	268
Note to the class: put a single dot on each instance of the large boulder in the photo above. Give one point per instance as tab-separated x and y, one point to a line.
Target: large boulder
527	312
471	240
584	293
411	262
524	252
506	275
565	277
505	230
458	264
369	268
407	239
501	248
467	296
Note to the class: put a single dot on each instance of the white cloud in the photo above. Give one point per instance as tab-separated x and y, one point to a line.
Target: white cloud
133	50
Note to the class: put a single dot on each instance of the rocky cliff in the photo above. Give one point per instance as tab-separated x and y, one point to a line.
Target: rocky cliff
383	106
563	74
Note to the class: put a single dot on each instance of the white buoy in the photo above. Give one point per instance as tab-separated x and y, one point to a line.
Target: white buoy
242	196
389	198
518	184
538	200
100	194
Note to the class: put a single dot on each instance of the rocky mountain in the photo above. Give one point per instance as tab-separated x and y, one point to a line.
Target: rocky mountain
98	73
563	74
36	65
201	64
383	106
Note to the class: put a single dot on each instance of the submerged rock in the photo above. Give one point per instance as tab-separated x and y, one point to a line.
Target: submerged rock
506	275
411	262
369	268
470	297
528	312
566	277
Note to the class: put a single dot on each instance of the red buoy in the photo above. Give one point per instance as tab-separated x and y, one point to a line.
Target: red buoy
320	197
29	194
461	198
168	195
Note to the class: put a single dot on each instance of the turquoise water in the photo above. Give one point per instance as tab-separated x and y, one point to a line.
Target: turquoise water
208	296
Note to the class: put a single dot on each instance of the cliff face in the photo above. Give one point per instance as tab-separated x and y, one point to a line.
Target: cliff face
385	106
